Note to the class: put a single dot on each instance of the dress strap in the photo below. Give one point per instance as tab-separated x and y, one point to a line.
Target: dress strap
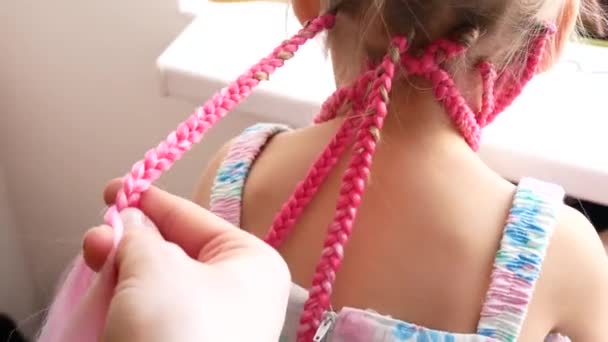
519	261
227	190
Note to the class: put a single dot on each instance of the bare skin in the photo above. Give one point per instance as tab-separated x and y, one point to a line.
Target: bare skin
428	228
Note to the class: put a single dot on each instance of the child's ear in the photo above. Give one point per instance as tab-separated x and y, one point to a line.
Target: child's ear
306	10
565	27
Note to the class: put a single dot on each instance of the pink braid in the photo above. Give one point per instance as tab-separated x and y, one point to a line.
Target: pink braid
464	119
510	88
355	94
444	88
468	123
317	174
192	130
69	320
488	77
351	191
334	104
307	189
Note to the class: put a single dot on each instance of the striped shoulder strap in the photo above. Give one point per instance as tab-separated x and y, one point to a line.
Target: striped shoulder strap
227	190
520	258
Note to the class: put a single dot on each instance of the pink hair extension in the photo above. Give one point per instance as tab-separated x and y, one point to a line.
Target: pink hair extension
317	174
488	77
68	320
428	66
353	184
354	95
462	116
192	130
510	88
334	104
307	189
351	192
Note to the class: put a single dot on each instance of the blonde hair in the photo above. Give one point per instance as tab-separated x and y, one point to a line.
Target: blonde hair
505	28
593	21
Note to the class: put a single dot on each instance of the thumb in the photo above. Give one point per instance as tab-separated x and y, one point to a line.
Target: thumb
98	242
142	250
135	219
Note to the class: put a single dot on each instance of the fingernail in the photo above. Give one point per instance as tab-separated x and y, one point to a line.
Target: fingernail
132	217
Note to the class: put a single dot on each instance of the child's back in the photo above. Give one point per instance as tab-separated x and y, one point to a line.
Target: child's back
430	231
425	241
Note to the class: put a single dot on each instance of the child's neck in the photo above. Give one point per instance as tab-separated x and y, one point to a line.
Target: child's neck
418	119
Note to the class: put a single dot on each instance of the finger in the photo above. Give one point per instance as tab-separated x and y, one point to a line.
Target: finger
97	245
179	220
142	251
110	190
99	241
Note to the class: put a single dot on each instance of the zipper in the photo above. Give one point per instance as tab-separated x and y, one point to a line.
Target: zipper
327	324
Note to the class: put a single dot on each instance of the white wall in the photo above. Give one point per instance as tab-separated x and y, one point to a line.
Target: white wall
79	102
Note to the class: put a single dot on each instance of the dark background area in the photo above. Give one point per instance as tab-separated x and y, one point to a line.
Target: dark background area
597	214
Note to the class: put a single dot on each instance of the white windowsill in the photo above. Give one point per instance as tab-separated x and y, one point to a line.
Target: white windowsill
555	131
195	7
191	7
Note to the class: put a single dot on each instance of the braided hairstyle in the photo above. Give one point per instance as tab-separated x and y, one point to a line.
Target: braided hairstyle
414	47
364	102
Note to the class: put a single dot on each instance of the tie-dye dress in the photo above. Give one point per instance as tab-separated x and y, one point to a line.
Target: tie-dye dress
516	269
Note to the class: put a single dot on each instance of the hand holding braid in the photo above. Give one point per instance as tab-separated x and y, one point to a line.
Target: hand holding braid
60	324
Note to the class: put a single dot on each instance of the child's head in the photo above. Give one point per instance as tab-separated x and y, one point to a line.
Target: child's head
505	28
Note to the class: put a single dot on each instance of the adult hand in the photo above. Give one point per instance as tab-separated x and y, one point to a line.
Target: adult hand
186	275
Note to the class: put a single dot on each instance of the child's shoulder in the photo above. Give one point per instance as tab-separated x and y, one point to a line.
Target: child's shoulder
575	277
281	146
576	243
